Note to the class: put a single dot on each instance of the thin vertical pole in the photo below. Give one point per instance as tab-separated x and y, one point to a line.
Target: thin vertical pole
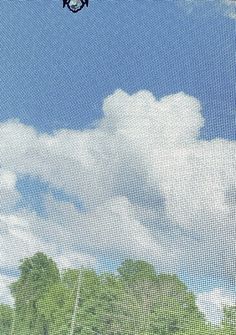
77	299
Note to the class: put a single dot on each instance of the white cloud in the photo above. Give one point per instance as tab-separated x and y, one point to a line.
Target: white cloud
151	188
212	303
8	192
16	240
75	260
110	229
5	294
7	180
230	8
227	7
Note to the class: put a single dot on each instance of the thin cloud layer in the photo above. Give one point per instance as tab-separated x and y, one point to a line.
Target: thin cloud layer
227	7
150	188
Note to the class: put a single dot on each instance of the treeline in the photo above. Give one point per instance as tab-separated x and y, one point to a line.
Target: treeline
135	301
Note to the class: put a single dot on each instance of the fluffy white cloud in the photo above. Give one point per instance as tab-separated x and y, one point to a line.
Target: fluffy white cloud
150	187
212	303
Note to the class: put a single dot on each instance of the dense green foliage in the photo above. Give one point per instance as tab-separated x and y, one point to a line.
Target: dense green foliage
6	318
135	301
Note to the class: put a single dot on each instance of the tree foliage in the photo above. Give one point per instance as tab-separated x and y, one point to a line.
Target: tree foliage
6	318
134	301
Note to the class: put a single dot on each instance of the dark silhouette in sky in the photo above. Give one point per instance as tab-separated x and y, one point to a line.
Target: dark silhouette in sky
75	5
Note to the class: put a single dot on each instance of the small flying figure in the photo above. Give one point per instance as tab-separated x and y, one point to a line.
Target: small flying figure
75	5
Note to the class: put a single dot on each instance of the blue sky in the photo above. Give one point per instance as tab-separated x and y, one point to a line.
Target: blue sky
131	45
57	68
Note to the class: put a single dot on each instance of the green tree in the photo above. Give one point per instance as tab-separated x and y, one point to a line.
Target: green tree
37	274
87	318
6	319
55	308
117	307
141	286
229	320
175	308
132	271
135	301
57	305
201	327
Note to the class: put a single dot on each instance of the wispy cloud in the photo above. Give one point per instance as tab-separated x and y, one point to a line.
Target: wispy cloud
226	7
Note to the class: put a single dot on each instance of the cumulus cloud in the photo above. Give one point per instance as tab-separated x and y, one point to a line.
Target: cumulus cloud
212	303
150	188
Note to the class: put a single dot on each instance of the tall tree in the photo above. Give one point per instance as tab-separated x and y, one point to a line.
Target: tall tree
175	307
37	274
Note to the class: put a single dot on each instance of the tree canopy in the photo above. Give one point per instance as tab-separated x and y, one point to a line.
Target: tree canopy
134	301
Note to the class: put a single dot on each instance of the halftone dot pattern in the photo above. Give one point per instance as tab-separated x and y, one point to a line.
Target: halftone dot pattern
117	167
